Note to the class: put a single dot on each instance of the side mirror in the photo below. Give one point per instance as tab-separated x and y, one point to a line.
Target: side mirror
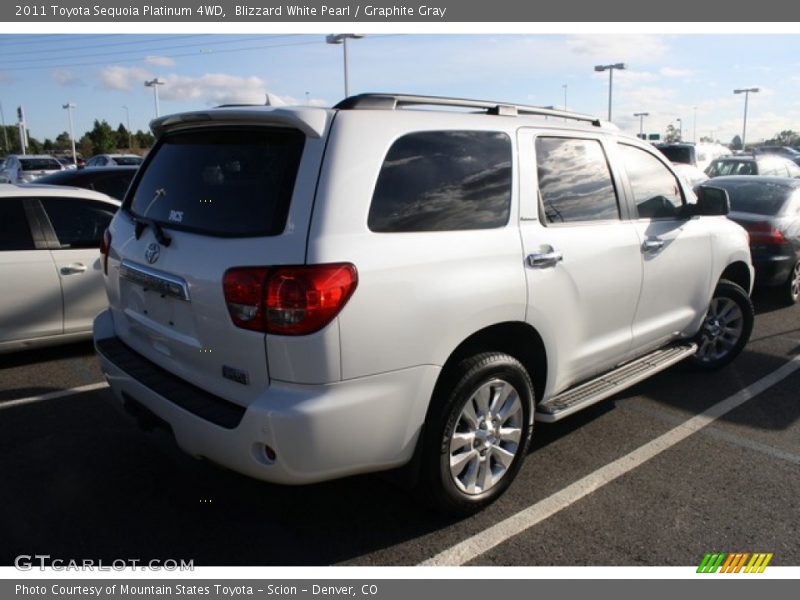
712	201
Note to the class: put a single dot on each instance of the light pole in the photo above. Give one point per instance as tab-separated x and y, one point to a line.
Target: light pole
341	38
128	125
565	96
68	107
746	92
694	126
6	147
610	69
680	128
641	116
154	83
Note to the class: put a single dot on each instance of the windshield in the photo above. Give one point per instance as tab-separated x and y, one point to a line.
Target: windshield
223	182
731	167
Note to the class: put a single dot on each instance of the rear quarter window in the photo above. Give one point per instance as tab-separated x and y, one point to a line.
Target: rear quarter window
443	181
227	182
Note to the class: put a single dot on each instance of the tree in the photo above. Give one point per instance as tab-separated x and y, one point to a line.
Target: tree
123	137
736	143
85	146
673	135
787	137
63	142
144	139
103	137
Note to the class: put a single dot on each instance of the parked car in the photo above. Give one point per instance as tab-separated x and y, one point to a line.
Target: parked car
679	152
758	164
299	301
111	160
785	151
113	181
24	168
50	263
67	162
769	209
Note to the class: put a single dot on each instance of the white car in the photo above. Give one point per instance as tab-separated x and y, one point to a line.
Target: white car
50	263
307	293
113	160
25	168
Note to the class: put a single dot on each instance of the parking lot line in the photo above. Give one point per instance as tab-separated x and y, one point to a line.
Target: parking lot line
53	395
487	539
719	434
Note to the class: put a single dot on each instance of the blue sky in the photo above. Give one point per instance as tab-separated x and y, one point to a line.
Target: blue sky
668	76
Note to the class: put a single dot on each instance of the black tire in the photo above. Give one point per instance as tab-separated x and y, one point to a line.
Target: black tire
791	289
726	327
500	384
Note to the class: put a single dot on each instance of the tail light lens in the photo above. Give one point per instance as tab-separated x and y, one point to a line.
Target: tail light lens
288	300
762	233
105	249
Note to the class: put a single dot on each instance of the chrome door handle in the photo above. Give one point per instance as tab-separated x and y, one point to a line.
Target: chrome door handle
73	268
544	260
652	244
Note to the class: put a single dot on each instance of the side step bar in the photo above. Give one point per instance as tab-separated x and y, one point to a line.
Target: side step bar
608	384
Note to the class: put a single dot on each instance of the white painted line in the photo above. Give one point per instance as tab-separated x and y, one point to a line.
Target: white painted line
719	434
53	395
487	539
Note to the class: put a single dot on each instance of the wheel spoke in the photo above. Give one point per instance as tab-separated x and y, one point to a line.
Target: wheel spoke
458	460
510	409
510	434
461	440
481	399
471	476
468	415
501	392
484	475
503	456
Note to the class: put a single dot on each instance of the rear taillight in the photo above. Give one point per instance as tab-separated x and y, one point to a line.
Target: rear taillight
288	300
762	233
105	249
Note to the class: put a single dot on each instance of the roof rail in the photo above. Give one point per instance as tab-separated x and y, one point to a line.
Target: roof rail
374	101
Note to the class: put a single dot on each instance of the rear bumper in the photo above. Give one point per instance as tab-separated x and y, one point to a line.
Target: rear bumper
772	269
317	432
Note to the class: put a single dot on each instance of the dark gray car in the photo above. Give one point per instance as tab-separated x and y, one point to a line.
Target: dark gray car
769	209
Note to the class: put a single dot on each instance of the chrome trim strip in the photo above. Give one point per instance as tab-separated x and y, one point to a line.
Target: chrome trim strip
163	283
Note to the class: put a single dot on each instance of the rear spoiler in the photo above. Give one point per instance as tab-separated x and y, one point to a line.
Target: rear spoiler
311	121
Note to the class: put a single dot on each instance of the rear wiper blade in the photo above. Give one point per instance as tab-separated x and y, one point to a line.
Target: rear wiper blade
142	222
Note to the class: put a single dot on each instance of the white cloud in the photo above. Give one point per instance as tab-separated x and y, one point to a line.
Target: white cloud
122	78
618	48
214	88
673	72
65	77
162	61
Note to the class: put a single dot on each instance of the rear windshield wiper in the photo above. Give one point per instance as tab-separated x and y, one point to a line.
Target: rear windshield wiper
142	222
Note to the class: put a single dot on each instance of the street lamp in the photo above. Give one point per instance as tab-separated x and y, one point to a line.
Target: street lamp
680	129
694	126
68	107
610	69
128	125
341	38
154	83
746	93
641	116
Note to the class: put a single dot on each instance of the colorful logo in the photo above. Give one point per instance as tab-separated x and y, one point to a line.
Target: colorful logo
734	562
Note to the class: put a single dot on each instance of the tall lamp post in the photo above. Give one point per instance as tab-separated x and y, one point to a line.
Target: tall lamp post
680	128
341	38
154	83
746	92
610	69
128	125
641	116
6	147
68	107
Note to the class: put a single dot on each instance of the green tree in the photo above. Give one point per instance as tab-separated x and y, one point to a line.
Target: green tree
673	134
144	139
123	137
736	143
85	146
103	137
787	137
63	143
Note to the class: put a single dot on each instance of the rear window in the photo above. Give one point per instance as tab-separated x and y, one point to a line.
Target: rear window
731	167
39	164
760	198
679	154
224	182
128	161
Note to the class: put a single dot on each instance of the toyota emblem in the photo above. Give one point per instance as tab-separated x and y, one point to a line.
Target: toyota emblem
152	252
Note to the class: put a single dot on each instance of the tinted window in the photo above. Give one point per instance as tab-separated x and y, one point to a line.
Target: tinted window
679	154
227	182
731	167
15	234
39	164
128	160
574	181
655	189
78	223
758	197
114	185
443	181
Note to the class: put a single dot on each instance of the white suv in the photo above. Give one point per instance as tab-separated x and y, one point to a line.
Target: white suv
304	293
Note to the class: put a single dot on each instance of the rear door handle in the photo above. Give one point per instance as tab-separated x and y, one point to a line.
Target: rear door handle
544	260
73	268
652	244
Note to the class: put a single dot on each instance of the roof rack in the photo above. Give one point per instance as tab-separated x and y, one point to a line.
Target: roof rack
373	101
